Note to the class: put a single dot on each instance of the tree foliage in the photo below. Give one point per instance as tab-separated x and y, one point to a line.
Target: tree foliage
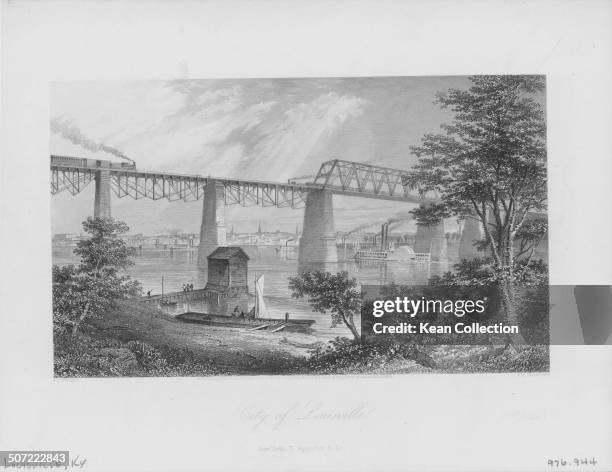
490	162
333	293
103	253
482	271
92	287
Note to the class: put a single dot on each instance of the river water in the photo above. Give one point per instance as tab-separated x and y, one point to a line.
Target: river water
180	267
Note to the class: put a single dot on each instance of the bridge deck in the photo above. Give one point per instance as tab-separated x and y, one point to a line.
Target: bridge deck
339	177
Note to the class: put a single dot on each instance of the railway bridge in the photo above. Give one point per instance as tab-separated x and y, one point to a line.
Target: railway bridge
318	241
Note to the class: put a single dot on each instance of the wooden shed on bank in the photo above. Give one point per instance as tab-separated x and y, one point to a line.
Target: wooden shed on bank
228	270
227	285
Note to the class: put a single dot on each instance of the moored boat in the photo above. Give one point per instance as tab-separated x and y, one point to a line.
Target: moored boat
239	322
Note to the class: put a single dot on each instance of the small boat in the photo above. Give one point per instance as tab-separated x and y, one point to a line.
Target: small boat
254	324
166	302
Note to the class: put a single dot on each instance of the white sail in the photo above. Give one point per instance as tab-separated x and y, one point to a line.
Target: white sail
260	304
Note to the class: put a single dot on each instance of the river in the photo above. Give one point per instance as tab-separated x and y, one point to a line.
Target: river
180	267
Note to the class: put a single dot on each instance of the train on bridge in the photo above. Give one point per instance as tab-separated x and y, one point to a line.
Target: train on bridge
83	162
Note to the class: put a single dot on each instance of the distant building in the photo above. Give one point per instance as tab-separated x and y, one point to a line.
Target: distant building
69	239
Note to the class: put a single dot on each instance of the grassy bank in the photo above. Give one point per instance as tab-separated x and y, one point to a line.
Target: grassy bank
133	340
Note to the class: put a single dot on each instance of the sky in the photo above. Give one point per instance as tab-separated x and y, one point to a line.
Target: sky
264	129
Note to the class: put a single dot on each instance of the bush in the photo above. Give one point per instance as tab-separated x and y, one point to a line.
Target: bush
343	355
526	359
87	356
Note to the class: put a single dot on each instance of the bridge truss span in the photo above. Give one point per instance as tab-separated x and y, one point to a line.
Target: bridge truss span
174	187
338	176
74	180
157	186
249	193
191	188
366	180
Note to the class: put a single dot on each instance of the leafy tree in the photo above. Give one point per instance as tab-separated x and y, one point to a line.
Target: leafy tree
92	287
529	236
333	293
103	253
482	271
490	164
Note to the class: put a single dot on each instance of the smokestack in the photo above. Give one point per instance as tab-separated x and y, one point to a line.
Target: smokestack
384	237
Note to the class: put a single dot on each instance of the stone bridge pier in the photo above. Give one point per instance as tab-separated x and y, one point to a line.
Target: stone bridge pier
102	199
318	241
432	239
212	230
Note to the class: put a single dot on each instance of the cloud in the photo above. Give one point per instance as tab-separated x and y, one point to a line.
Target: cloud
233	132
247	129
201	135
301	135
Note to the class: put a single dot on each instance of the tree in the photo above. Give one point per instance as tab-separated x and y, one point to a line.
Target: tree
336	293
490	164
92	287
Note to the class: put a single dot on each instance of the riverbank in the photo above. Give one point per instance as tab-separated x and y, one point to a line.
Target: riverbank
220	350
134	340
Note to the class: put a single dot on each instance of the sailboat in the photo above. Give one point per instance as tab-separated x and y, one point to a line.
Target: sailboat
259	310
